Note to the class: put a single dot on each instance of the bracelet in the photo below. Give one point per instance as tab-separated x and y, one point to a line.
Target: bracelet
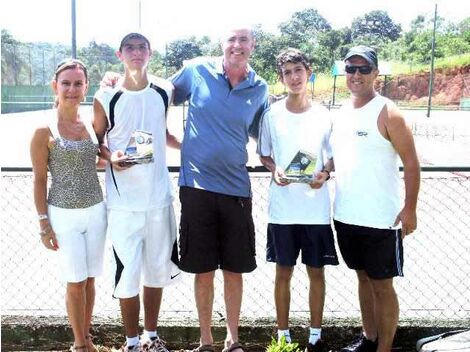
44	231
42	217
328	173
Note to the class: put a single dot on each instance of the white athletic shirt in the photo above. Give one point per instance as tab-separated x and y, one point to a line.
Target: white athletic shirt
282	135
144	186
366	168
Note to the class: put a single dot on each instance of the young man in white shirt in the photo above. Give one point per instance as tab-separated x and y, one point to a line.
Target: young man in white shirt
141	220
299	213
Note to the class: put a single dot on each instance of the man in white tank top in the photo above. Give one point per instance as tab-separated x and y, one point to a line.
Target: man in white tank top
369	135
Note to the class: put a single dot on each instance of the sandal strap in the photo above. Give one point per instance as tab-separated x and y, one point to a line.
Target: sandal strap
78	348
91	346
233	347
204	348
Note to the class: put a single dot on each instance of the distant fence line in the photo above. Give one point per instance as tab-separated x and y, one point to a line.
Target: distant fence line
32	98
23	98
435	285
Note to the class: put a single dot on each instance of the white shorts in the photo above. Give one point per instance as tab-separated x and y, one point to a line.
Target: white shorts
81	236
144	243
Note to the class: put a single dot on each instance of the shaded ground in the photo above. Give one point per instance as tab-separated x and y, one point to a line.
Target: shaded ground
46	333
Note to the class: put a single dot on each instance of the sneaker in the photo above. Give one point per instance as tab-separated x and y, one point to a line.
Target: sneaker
154	345
317	347
135	348
361	344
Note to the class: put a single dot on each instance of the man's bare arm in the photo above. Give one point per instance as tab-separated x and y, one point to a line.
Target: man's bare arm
401	137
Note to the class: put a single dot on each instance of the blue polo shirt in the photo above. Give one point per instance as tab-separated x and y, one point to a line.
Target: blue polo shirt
220	119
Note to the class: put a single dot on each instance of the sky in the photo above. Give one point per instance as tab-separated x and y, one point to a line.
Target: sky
107	21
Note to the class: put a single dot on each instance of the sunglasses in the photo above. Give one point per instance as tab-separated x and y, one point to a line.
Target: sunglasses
363	70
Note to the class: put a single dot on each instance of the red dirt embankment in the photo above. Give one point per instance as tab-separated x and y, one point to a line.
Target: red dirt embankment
450	85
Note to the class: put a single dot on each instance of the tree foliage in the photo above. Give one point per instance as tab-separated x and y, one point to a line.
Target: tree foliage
12	62
464	28
303	27
374	28
209	48
263	59
182	49
98	58
307	30
157	66
415	46
29	63
331	46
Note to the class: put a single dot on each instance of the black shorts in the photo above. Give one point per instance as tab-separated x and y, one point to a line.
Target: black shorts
379	252
216	231
284	243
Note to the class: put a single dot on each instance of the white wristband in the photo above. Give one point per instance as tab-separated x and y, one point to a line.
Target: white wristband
42	217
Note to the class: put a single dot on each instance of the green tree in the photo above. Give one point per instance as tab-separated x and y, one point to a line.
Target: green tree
329	48
180	50
263	59
98	58
12	61
302	28
209	48
156	65
415	45
464	27
418	24
44	60
374	28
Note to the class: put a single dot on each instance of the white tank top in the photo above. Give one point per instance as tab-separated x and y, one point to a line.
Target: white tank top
366	168
145	186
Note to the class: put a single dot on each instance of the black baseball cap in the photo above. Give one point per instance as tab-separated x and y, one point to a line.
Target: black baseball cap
365	52
133	35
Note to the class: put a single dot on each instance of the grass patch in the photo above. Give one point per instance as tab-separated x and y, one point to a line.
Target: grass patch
283	346
442	63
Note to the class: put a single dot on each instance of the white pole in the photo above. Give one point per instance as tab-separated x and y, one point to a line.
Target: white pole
431	74
74	32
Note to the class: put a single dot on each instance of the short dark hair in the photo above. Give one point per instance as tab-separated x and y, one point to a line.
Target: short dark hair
293	56
133	35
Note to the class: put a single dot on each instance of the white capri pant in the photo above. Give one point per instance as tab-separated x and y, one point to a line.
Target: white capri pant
81	237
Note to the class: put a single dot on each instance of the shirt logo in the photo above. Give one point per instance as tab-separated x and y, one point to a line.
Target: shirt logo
361	133
173	276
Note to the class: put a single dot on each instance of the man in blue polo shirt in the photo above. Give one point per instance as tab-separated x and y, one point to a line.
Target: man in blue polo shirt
226	98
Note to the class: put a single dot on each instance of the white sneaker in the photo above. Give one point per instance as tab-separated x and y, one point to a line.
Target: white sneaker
135	348
155	345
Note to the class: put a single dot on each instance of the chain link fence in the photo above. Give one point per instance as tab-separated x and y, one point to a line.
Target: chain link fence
28	68
435	285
